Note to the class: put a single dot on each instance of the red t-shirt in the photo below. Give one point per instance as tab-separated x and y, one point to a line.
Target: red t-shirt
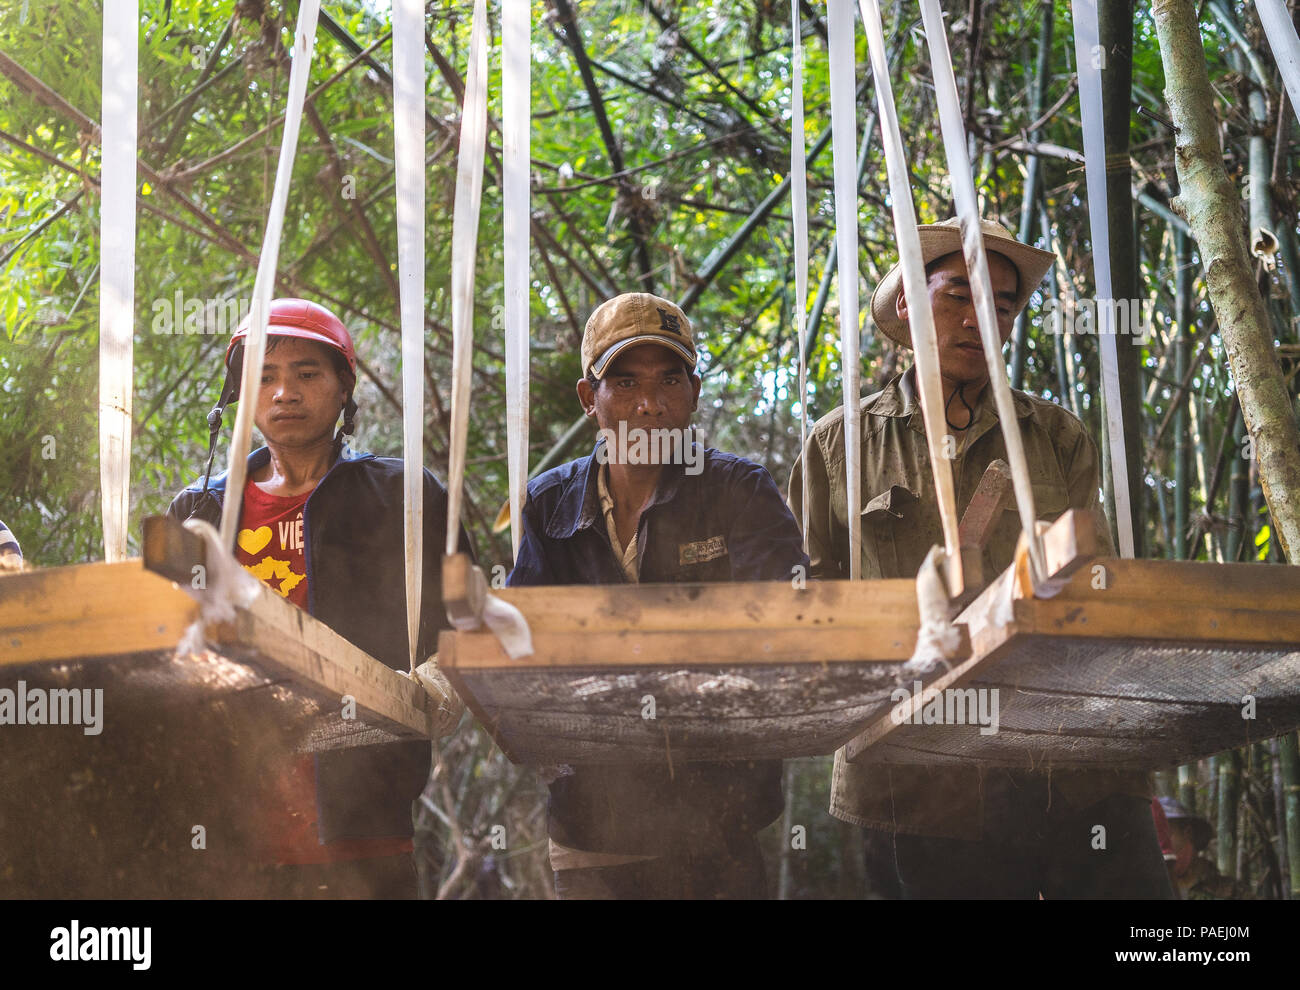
269	544
270	547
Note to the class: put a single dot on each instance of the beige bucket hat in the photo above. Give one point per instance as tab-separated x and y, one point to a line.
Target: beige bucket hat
938	239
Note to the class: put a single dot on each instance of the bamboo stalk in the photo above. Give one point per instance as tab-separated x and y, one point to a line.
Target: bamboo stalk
1162	500
1211	206
1033	176
1187	786
1182	442
1228	766
1166	783
1279	816
1064	345
1238	497
571	35
787	826
1200	441
1289	753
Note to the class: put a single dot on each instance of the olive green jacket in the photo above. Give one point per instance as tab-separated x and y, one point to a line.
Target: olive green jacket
900	522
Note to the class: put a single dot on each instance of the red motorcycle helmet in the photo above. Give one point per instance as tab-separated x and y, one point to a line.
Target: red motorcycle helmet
304	319
300	318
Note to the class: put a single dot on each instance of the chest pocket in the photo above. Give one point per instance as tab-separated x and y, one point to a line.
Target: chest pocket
890	521
707	559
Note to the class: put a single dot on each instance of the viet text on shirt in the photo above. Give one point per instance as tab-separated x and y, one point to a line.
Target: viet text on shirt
270	542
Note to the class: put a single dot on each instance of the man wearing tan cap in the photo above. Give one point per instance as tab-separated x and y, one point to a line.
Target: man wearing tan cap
651	505
938	831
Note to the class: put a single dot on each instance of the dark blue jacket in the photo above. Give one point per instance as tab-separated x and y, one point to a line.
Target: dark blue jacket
649	808
354	548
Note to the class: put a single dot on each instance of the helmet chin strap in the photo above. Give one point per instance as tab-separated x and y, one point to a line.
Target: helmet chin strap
349	423
229	392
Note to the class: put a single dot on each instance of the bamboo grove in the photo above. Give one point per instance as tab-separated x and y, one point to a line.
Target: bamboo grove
660	143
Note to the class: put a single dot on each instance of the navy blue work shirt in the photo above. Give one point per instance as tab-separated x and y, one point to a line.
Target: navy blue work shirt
726	523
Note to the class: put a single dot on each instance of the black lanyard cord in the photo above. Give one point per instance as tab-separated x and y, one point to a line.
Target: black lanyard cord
958	393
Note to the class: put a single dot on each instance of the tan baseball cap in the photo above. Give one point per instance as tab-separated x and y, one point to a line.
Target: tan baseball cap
939	239
629	320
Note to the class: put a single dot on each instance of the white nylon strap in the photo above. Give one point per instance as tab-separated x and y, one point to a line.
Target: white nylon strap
799	210
963	188
304	39
505	621
516	60
464	250
117	268
920	318
1281	34
408	154
1086	50
844	150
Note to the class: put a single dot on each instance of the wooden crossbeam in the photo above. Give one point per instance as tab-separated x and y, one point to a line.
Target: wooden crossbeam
174	551
63	613
671	624
285	641
464	591
1153	600
133	609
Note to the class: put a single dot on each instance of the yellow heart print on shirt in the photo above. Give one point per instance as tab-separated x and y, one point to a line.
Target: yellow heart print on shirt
268	568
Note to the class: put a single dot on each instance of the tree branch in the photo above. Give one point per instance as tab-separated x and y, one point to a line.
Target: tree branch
572	37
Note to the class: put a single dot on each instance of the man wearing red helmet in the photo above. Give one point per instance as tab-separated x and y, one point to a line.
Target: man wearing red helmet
322	525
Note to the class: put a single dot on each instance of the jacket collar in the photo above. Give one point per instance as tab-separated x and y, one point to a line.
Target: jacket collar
262	456
900	399
579	505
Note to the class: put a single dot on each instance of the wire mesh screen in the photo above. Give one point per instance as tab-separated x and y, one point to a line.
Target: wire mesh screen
1076	702
757	711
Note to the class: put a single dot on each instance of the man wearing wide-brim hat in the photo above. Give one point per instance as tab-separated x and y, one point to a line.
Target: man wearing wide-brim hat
940	831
